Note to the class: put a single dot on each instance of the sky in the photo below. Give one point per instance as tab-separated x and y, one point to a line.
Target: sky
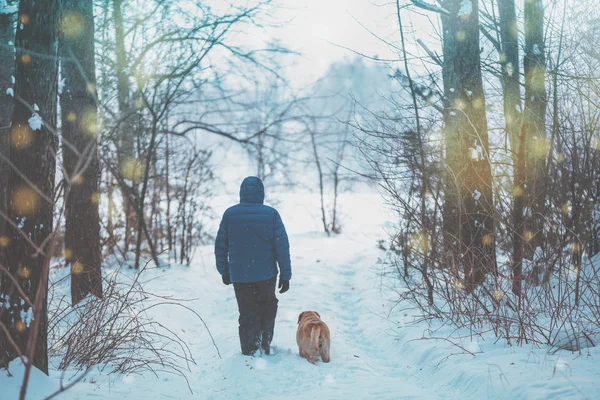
320	28
324	32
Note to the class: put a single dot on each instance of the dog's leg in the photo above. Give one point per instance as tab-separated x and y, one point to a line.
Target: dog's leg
325	354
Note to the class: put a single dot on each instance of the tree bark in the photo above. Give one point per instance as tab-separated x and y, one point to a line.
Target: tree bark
7	71
509	60
534	123
31	181
321	183
470	186
126	152
80	150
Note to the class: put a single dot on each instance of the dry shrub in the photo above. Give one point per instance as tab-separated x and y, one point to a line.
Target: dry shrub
116	333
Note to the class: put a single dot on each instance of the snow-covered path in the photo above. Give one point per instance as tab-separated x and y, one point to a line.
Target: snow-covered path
336	277
375	354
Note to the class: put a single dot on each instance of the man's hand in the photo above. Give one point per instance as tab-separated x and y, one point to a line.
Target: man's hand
226	279
284	286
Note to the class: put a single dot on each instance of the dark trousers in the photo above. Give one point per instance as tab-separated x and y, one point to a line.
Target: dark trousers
258	307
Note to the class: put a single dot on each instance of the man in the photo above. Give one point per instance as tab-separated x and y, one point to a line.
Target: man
250	243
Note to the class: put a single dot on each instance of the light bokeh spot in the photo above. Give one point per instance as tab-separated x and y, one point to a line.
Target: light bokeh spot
25	201
72	25
71	117
68	253
132	169
76	268
21	137
89	122
24	272
20	326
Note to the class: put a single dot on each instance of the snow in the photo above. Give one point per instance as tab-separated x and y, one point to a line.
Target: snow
35	107
476	195
61	85
476	152
35	122
466	8
10	92
510	69
378	350
27	316
536	49
5	8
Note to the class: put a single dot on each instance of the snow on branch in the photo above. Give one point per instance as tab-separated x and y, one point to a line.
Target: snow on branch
430	7
9	7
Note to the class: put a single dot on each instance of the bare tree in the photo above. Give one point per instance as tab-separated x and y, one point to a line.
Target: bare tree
33	139
469	205
534	123
7	70
80	153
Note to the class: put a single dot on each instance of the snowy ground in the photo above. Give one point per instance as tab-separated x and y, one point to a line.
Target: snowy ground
376	354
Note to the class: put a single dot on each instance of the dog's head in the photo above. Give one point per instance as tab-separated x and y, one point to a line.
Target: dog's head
304	314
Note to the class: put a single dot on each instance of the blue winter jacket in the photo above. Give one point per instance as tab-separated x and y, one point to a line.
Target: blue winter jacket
252	239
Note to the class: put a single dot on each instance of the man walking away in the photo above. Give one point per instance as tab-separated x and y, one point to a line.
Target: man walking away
250	243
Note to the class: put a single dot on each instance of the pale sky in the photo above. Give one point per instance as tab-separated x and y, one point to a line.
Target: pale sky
315	23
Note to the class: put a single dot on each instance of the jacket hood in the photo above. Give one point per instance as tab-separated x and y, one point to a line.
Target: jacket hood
252	191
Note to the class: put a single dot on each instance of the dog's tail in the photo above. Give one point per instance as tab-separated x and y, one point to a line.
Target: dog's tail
315	333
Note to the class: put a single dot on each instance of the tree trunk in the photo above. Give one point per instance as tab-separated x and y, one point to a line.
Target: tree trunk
142	227
110	225
31	182
321	185
423	185
534	123
7	72
168	195
467	144
509	60
80	151
455	159
125	154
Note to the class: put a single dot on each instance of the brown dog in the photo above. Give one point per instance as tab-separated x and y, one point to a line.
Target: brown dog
313	337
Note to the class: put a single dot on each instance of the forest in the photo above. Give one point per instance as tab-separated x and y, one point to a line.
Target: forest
444	168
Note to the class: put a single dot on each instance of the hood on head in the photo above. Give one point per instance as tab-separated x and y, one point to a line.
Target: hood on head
252	190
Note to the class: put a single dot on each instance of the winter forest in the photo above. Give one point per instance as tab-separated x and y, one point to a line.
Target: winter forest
430	172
